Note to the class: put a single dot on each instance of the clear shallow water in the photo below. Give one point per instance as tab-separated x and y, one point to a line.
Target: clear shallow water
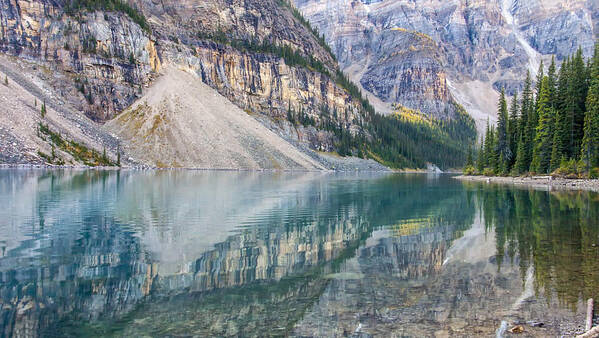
172	253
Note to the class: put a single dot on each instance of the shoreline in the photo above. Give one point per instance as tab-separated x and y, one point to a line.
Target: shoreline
150	168
544	182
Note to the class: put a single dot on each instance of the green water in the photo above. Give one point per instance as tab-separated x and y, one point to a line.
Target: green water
192	253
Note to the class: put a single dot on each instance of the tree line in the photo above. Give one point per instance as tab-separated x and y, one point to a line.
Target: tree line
551	128
73	7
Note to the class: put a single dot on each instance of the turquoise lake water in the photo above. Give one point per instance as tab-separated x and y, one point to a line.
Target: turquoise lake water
197	253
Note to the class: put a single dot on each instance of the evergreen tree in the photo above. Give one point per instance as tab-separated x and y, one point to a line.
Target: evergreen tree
540	76
514	128
525	136
562	85
556	154
590	142
480	160
551	76
43	110
521	165
490	149
575	102
469	160
531	127
5	80
561	139
544	132
502	146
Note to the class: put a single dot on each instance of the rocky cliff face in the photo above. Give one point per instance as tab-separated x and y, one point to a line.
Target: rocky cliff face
109	57
106	56
423	54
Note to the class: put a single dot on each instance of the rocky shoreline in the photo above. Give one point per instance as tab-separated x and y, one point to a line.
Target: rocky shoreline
331	164
546	182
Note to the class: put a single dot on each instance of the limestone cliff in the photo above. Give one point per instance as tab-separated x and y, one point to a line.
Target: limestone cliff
424	54
258	54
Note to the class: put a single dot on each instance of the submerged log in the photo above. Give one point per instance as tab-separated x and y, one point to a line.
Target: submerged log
594	332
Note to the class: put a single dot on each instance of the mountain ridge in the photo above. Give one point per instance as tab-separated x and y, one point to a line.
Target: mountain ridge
261	55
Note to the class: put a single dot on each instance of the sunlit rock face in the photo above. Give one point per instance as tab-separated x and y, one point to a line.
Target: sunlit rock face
404	51
108	58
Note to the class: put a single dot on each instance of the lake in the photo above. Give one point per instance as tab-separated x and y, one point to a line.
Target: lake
200	253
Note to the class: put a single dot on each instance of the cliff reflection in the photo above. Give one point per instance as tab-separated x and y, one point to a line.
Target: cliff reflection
97	253
99	247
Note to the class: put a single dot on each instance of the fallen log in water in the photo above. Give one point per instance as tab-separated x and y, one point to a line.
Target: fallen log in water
594	332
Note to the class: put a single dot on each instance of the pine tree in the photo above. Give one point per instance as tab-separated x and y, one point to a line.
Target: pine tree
469	160
551	76
575	102
560	138
540	76
480	160
514	128
490	149
43	110
502	147
531	128
526	107
105	160
556	154
562	85
544	133
590	142
521	165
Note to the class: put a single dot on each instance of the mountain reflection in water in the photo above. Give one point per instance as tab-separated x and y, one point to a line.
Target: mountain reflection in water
312	254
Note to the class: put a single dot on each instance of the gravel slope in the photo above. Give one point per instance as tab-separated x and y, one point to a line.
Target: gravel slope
182	122
20	116
189	125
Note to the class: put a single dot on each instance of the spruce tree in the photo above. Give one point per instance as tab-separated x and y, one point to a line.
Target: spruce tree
490	149
556	154
480	160
544	132
526	124
502	146
531	127
514	128
552	78
576	102
521	165
540	76
561	139
469	160
562	85
494	162
590	142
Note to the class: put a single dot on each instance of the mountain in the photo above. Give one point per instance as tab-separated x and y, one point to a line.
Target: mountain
425	54
87	62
